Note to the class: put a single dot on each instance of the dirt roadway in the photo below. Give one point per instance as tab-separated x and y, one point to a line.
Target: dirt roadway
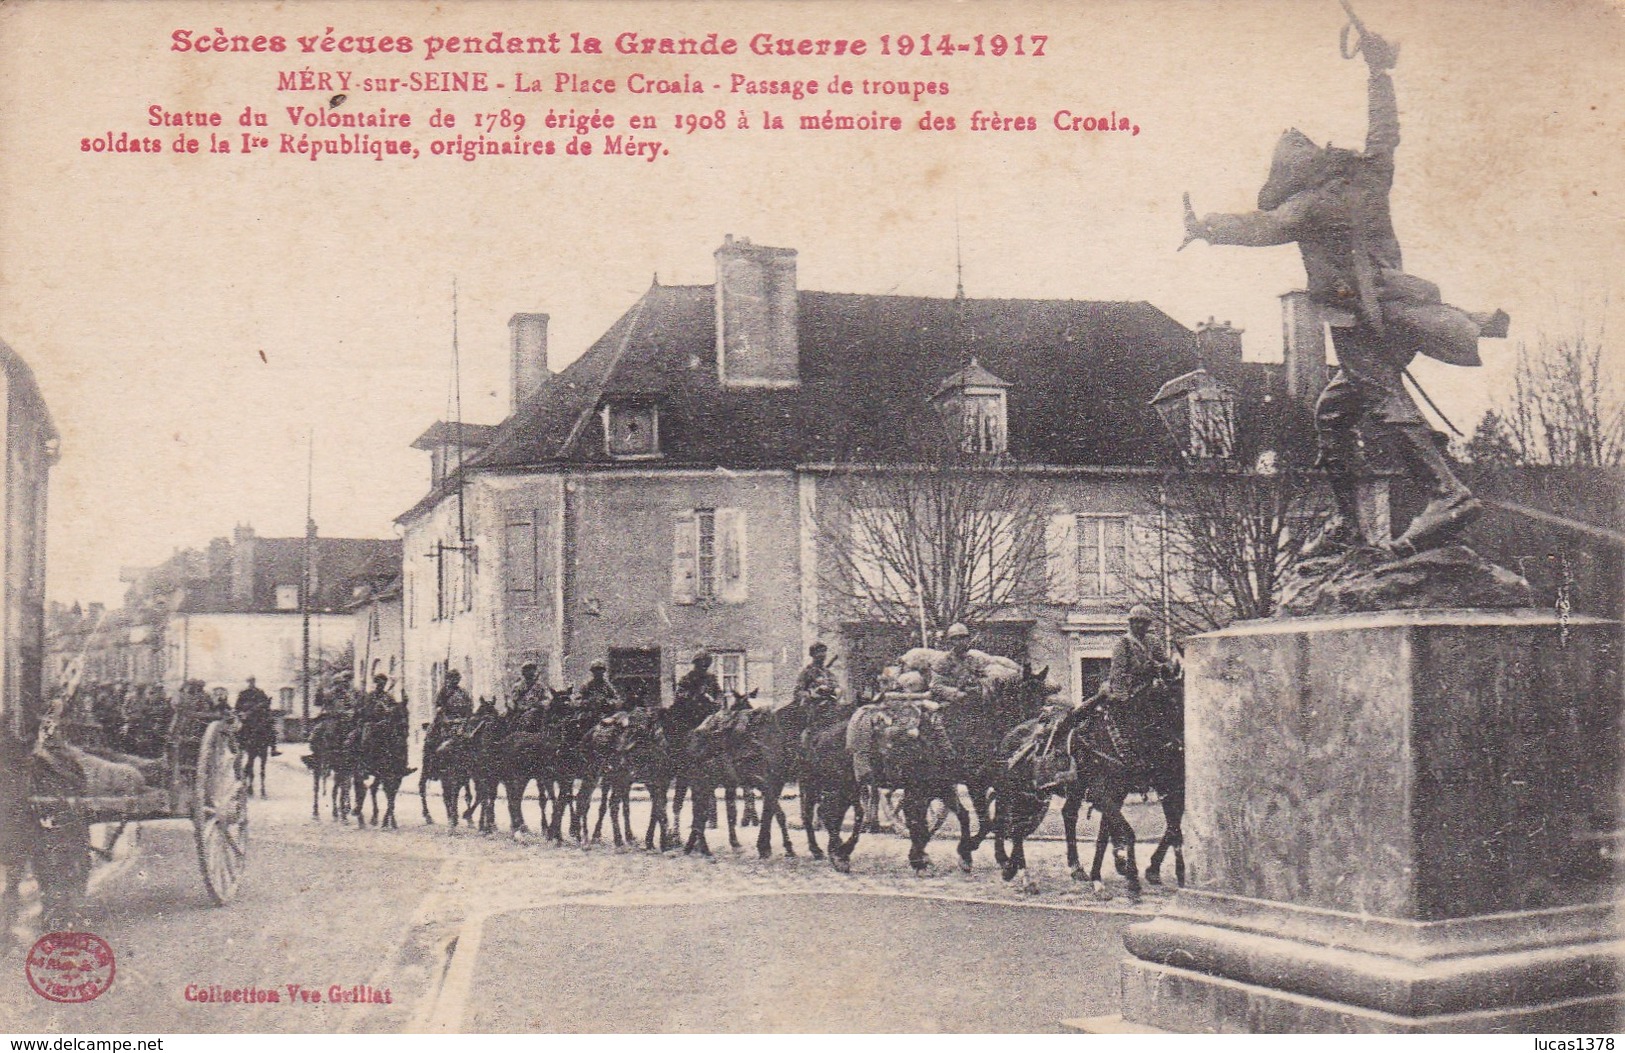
445	920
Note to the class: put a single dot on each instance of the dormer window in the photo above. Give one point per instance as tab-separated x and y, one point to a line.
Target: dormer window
632	429
1200	415
974	410
1213	424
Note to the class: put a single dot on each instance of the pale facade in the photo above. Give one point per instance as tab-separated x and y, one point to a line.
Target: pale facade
661	494
224	650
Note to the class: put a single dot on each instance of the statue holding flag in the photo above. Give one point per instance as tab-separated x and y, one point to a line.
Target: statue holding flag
1334	204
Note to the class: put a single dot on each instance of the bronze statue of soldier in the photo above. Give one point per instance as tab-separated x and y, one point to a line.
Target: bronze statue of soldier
1334	204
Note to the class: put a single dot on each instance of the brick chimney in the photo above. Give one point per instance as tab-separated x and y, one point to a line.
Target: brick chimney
757	342
242	564
1218	346
1303	347
527	371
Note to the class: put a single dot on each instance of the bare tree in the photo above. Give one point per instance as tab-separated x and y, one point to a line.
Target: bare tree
1234	512
1565	407
1231	534
949	537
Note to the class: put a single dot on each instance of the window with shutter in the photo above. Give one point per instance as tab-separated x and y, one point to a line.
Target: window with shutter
1145	550
732	553
519	560
441	606
876	555
1061	549
705	561
989	573
1102	555
683	549
759	677
467	581
731	671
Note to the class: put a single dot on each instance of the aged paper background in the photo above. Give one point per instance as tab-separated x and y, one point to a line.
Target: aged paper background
144	287
191	317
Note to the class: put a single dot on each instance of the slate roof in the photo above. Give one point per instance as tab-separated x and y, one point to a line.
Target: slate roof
445	433
1081	375
340	564
974	375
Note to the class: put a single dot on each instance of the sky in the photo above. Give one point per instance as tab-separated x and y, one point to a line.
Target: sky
192	319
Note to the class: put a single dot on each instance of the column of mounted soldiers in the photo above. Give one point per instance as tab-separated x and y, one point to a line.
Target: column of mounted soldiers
136	718
937	720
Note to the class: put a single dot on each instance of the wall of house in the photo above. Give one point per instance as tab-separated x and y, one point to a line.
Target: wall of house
525	581
624	592
451	620
224	650
376	635
1064	625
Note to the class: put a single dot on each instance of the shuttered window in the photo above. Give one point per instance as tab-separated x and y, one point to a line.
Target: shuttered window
705	574
519	559
1102	555
710	555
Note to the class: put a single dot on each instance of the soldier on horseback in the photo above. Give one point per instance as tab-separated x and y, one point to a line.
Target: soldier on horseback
816	688
254	714
380	705
598	695
453	703
452	707
530	693
699	692
955	676
1140	666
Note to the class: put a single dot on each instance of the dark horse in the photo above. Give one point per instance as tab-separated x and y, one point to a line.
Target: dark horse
903	745
1112	757
827	782
256	734
600	768
978	726
568	727
470	754
431	770
529	753
330	756
643	755
379	748
753	748
684	715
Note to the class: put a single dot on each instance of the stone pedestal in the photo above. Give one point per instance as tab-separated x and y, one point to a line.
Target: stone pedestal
1397	822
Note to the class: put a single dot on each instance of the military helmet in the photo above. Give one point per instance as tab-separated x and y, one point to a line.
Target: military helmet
957	631
702	655
1141	613
599	667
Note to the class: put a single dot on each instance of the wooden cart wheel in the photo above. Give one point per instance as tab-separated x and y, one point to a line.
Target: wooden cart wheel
220	813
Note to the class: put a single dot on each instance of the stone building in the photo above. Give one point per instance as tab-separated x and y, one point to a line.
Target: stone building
225	613
662	492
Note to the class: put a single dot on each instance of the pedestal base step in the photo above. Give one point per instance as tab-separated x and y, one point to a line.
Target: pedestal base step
1167	998
1106	1025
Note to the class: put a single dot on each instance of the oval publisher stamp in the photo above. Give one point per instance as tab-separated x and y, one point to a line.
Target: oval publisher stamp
70	966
